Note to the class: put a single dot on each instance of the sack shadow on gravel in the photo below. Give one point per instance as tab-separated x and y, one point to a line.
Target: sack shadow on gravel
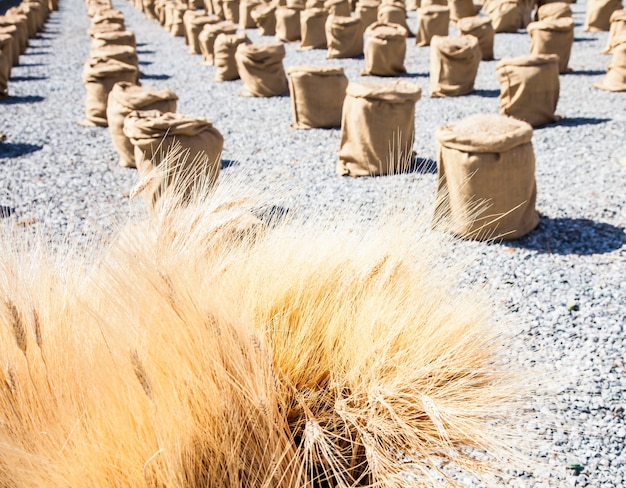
15	149
413	75
154	77
576	121
566	235
586	72
145	63
228	163
584	39
145	51
12	100
422	165
28	78
486	93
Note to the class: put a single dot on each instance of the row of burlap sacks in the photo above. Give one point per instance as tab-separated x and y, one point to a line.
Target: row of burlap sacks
171	151
17	26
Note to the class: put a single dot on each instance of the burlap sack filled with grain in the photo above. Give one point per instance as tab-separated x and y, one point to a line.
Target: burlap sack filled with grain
317	95
5	63
526	11
314	4
459	9
28	14
385	50
505	15
12	48
159	9
393	13
529	88
615	78
154	135
265	18
149	9
21	34
377	128
486	178
453	65
114	38
313	28
102	28
433	20
207	37
554	10
260	67
32	12
344	37
367	11
482	30
187	16
224	55
287	24
99	78
231	10
245	13
93	7
108	17
177	26
125	54
195	26
618	27
125	98
598	14
413	5
338	7
553	37
430	3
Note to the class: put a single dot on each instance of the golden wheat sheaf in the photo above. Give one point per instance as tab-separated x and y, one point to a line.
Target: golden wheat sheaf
207	348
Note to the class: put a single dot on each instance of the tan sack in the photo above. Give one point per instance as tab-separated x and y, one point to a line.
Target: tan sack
123	99
554	10
207	37
598	14
526	9
393	13
288	24
338	7
149	10
344	37
231	10
313	28
317	95
224	55
195	26
177	26
433	20
413	5
482	30
260	67
430	3
14	52
108	17
7	46
554	36
125	54
615	78
486	178
367	11
21	37
505	15
459	9
264	16
529	88
114	38
245	13
105	28
196	165
453	65
5	67
377	128
99	78
618	27
385	49
29	14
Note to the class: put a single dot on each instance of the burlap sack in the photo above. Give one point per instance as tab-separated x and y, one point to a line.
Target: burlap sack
313	28
615	78
554	10
482	30
529	88
617	28
108	17
177	26
430	3
385	50
260	67
114	38
11	47
453	65
245	13
377	128
123	99
5	63
154	134
526	10
314	4
317	95
554	36
460	9
224	55
19	22
413	5
99	78
367	11
207	37
338	7
25	13
148	9
187	16
159	9
486	178
195	26
287	24
101	28
598	14
265	18
393	13
299	4
231	10
433	20
505	15
125	54
31	18
344	37
93	7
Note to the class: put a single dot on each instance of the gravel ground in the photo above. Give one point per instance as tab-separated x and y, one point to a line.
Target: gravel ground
565	283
